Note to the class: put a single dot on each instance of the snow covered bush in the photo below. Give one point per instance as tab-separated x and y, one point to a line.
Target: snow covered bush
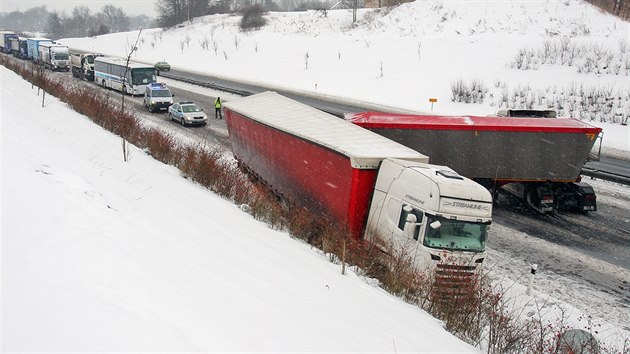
475	92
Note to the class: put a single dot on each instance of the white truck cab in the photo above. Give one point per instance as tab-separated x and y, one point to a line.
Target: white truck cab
158	97
430	211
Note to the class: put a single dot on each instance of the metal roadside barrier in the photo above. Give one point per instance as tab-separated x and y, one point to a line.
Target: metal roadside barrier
206	84
606	176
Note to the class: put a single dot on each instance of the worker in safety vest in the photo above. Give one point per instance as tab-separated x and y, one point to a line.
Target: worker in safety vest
217	108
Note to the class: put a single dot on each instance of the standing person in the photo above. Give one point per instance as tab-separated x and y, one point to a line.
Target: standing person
217	108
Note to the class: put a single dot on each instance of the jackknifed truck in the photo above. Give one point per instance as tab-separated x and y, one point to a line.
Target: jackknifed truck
378	189
537	159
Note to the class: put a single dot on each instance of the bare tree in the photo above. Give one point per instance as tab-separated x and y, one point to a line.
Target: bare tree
79	23
125	124
173	12
55	25
115	18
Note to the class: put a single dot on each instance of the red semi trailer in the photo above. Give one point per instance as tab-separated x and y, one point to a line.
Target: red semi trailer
537	159
376	187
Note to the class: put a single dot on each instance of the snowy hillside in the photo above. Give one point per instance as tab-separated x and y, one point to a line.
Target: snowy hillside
571	56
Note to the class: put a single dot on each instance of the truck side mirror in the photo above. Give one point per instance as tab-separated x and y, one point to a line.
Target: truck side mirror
436	224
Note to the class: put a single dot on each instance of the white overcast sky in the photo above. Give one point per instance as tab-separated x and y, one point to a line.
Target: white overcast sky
130	7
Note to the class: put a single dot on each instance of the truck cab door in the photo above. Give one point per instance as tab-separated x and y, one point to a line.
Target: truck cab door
393	226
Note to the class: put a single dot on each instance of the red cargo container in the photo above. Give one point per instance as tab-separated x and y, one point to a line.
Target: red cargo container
544	154
511	149
309	157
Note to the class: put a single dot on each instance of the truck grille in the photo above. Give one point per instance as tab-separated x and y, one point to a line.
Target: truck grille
453	282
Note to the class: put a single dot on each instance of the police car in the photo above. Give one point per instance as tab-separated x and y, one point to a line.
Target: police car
157	97
187	113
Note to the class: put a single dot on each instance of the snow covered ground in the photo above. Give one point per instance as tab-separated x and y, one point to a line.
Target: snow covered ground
99	255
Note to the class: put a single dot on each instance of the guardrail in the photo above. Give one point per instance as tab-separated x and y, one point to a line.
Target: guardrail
606	176
206	84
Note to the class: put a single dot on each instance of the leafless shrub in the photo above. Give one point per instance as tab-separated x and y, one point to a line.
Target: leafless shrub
204	43
623	45
475	92
215	46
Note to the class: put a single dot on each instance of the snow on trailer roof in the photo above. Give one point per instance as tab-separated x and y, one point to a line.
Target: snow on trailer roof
121	62
364	148
426	122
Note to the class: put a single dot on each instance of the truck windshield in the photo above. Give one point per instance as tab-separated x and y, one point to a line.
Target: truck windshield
142	76
62	57
456	235
90	59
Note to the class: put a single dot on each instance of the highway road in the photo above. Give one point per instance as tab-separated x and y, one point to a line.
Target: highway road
608	168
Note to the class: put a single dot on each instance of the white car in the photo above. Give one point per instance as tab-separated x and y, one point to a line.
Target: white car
187	113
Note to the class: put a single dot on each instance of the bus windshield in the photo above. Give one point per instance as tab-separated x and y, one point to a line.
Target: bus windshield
456	235
142	76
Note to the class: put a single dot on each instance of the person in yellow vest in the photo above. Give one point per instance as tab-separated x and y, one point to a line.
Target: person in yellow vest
217	108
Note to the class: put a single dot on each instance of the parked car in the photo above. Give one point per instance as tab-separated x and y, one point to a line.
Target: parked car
162	66
187	113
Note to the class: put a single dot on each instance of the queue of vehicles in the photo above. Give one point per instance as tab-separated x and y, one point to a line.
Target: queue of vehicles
110	72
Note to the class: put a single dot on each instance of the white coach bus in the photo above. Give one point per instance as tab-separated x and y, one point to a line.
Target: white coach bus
109	72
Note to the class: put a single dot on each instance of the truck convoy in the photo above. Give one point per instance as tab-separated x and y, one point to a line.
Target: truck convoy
537	159
378	189
83	65
54	56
